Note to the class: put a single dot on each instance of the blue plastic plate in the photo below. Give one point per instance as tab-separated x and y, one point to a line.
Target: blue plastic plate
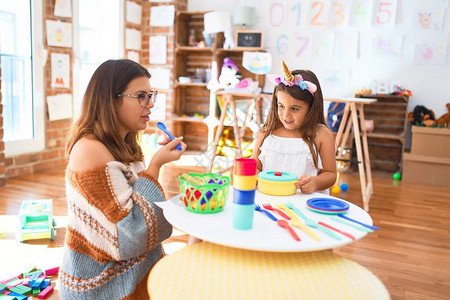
327	204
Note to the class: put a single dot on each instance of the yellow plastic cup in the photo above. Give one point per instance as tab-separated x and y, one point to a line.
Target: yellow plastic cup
244	183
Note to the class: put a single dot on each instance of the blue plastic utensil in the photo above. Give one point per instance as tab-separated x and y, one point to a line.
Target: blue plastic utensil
357	222
258	208
162	127
357	227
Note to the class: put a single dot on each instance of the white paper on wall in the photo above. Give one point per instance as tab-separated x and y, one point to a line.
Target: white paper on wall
158	49
318	13
257	62
361	13
346	46
428	18
132	39
59	107
134	12
385	13
63	8
162	16
323	45
133	55
383	46
430	53
159	110
339	13
160	78
60	70
59	33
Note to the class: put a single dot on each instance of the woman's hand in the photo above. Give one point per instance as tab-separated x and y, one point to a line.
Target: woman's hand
164	155
168	152
306	184
163	140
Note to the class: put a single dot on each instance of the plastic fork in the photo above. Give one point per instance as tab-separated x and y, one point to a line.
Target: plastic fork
312	223
295	221
258	208
280	212
281	223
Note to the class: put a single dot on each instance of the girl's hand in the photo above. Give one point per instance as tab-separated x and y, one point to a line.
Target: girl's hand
168	152
306	184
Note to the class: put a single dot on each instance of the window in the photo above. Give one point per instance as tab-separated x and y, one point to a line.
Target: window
97	38
21	75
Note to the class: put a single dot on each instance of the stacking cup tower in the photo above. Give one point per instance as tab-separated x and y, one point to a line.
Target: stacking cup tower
244	183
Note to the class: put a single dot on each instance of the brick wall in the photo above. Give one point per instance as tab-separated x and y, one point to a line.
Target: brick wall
56	131
2	143
169	32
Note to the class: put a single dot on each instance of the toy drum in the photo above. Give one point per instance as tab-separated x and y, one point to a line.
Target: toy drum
277	183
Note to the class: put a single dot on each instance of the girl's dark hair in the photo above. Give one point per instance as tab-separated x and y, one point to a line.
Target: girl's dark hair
313	118
99	115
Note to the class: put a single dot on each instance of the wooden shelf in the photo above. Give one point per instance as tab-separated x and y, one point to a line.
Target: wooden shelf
187	119
387	141
386	136
240	50
194	49
188	84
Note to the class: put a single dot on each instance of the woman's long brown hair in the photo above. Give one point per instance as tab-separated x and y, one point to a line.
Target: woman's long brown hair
313	118
99	116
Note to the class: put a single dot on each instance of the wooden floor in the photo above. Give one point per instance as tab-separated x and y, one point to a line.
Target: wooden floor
410	254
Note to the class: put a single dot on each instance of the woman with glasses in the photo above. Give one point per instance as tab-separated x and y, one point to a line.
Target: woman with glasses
115	230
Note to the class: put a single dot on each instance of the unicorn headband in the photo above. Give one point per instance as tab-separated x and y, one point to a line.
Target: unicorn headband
291	80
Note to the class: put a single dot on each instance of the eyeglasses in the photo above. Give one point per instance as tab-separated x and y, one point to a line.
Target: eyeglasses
144	99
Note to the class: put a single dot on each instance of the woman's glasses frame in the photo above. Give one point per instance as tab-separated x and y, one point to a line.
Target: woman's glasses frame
144	99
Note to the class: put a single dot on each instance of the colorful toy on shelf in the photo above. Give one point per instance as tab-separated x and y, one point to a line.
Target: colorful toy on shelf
36	220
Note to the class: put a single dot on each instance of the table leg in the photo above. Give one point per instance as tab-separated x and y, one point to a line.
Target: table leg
341	129
348	125
219	131
237	137
366	153
359	154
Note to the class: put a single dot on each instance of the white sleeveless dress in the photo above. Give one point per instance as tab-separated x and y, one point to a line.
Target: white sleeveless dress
288	155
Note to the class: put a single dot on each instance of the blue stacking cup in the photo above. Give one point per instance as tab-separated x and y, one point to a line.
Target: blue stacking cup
244	197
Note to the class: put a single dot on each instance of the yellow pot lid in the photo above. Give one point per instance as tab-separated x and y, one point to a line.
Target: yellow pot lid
277	176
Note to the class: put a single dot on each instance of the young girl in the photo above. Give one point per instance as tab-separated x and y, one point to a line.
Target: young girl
115	230
294	137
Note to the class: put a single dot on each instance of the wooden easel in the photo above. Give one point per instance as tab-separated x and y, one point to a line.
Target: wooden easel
352	106
229	100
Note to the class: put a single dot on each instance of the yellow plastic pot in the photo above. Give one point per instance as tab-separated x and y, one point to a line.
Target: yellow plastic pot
277	183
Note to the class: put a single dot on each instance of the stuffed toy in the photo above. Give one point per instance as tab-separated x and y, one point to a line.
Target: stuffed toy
444	120
229	75
421	116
